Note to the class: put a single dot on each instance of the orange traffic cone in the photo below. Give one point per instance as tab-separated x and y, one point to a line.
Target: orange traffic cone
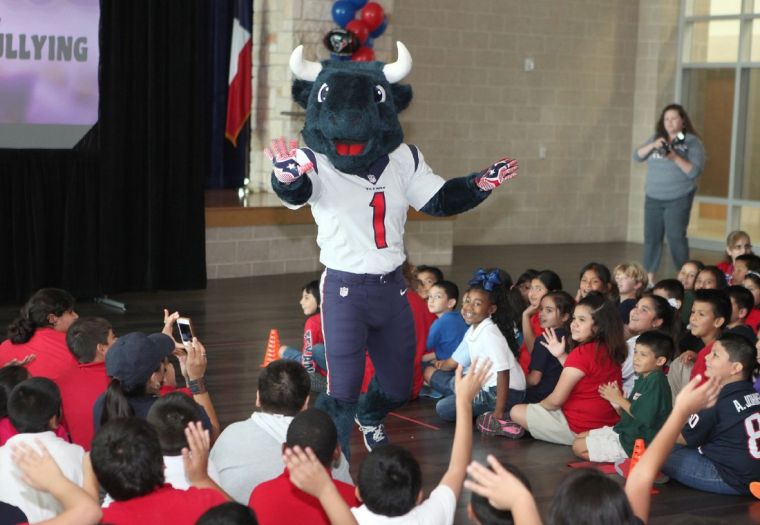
638	450
273	348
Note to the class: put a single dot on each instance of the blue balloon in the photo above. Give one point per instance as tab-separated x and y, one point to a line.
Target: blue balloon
343	12
339	57
380	29
369	42
358	4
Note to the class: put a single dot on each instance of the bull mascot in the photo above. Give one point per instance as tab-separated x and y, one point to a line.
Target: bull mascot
360	178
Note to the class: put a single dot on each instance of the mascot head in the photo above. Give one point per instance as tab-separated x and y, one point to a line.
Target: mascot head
352	107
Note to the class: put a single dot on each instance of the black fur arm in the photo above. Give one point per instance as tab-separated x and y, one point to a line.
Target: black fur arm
297	192
455	196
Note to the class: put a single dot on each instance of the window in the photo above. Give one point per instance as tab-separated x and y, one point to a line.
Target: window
719	79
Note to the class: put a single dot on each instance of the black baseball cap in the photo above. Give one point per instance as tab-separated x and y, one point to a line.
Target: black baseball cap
134	357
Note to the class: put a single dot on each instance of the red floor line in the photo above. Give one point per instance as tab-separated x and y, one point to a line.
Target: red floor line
417	421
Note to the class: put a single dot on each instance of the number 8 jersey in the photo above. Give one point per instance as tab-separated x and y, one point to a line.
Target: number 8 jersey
728	434
360	218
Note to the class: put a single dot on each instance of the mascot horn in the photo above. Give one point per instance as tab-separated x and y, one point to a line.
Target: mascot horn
360	178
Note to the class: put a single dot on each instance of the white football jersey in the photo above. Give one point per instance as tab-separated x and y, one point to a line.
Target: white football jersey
360	219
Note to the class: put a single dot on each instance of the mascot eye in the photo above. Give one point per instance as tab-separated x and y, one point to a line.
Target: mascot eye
379	94
323	90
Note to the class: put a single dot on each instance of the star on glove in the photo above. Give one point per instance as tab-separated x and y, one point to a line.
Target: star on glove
497	173
285	166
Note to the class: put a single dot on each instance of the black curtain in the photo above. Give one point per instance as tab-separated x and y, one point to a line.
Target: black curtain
124	211
154	124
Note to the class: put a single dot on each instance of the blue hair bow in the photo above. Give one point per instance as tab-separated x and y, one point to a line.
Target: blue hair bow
487	280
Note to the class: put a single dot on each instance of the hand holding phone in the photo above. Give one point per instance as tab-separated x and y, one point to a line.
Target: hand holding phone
185	328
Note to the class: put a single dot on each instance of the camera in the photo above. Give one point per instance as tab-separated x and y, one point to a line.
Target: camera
668	146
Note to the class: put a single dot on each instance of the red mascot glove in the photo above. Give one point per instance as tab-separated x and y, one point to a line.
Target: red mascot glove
497	173
285	166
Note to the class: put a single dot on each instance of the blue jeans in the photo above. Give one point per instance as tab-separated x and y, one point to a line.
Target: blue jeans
686	465
668	219
484	402
317	353
442	381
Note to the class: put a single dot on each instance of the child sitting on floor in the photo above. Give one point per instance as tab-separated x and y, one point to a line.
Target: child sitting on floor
575	405
687	276
486	338
595	277
554	313
390	480
642	413
752	283
709	315
278	500
749	262
742	303
719	452
426	276
312	355
631	279
737	243
541	284
587	495
444	337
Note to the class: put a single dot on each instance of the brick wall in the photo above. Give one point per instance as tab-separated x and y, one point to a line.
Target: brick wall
474	101
277	249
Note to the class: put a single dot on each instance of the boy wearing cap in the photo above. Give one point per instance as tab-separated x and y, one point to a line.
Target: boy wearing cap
135	364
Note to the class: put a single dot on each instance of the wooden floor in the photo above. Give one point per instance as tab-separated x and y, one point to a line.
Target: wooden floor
233	318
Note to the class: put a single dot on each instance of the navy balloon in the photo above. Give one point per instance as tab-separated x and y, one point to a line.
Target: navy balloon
380	29
370	42
343	12
358	4
340	58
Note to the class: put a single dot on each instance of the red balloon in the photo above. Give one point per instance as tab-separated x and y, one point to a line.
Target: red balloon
360	29
363	54
373	15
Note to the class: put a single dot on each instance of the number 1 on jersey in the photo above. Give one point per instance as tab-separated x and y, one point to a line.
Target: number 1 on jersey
378	219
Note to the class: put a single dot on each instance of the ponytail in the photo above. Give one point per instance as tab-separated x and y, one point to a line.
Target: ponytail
21	330
34	314
116	403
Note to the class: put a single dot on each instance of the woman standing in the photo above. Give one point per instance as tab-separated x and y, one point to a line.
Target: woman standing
675	159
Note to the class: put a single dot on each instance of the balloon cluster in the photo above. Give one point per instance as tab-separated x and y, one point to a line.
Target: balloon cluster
356	36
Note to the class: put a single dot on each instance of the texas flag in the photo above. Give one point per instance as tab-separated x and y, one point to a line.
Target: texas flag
239	93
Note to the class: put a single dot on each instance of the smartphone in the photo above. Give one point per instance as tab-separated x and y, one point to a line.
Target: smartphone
185	330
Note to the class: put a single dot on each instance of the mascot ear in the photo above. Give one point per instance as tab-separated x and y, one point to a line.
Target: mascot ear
300	91
402	96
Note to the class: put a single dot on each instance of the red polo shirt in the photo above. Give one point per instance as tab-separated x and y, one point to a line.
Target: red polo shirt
278	501
164	505
80	387
700	363
53	356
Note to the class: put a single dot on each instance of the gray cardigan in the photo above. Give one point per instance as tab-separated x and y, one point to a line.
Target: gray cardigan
665	180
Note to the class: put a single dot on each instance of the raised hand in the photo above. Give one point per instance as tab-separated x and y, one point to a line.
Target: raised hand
468	386
555	346
306	472
493	176
694	397
502	488
285	166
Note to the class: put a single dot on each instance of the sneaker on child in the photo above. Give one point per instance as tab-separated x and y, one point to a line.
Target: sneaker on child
488	425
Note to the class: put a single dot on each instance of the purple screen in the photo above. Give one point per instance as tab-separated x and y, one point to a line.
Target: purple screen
49	61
